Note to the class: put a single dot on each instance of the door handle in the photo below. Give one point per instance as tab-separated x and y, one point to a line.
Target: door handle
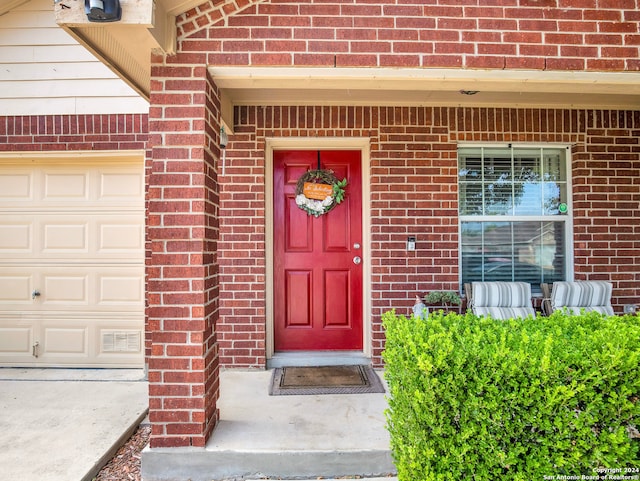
357	260
35	293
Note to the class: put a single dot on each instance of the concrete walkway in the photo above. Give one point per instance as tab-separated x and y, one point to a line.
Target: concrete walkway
282	437
64	424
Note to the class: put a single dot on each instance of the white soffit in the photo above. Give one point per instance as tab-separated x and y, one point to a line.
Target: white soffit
126	46
439	87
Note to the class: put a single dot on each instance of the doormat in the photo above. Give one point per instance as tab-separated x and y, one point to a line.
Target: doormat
324	380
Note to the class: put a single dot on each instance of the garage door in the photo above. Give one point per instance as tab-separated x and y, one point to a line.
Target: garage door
72	262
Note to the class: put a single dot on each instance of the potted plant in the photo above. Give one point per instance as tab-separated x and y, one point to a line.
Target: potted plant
443	298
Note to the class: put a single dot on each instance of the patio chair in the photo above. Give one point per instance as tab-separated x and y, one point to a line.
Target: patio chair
500	300
577	296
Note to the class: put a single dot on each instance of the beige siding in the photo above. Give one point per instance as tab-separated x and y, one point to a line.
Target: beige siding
43	70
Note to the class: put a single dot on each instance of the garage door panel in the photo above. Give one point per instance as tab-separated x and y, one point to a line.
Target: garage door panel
65	341
16	185
119	346
15	288
15	340
72	288
123	237
126	287
72	339
127	340
40	185
65	186
121	186
96	238
91	237
63	236
15	236
69	290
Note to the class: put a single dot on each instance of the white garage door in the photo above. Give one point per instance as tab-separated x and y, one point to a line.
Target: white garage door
72	262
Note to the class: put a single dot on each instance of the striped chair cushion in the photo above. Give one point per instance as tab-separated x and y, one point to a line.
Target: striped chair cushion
502	300
503	313
582	295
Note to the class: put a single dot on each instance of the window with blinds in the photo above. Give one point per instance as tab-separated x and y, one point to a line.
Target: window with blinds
514	214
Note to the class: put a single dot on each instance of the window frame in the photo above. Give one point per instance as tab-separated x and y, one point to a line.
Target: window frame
567	218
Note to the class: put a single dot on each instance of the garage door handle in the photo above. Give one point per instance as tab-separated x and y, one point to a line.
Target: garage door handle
35	293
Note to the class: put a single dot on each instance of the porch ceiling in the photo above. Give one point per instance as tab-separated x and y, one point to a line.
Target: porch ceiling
439	87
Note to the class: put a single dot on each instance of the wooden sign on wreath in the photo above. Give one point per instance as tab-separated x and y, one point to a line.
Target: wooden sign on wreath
319	191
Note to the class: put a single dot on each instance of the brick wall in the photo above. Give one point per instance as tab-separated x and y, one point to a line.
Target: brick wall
413	186
182	267
73	132
498	34
413	155
606	179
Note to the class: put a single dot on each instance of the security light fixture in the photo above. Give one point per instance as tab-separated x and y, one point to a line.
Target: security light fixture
103	10
224	138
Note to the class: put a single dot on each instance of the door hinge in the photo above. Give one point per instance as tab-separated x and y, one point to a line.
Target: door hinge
35	347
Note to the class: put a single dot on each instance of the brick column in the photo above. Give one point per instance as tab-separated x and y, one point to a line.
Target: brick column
181	266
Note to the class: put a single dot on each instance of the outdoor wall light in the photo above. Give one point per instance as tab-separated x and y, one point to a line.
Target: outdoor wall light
224	140
103	10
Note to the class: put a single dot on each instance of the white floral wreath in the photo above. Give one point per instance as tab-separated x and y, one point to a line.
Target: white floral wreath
316	205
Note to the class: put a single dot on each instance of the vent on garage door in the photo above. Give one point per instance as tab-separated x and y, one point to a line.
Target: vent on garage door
120	341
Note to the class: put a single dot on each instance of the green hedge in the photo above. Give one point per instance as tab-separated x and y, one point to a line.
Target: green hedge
472	398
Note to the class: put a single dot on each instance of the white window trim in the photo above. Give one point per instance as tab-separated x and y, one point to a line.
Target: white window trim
568	218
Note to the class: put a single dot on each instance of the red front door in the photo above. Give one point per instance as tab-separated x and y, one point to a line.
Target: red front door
317	284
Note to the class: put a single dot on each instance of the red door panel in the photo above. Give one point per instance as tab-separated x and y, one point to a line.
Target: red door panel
317	286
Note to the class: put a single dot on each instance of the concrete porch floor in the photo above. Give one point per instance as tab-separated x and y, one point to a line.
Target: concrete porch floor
65	424
286	437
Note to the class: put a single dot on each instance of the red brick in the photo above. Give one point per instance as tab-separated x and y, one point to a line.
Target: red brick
170	441
602	64
486	61
565	64
619	52
539	50
577	3
499	24
184	428
331	22
456	24
418	23
538	25
353	60
496	49
621	27
269	59
617	4
538	3
602	14
532	63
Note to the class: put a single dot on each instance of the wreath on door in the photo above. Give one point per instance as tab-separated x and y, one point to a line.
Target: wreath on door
319	191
